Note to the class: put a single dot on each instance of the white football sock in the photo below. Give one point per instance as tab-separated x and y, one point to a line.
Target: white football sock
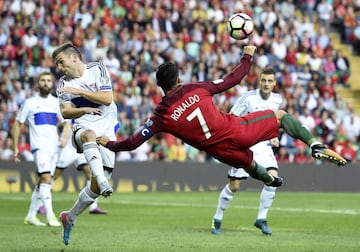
266	199
93	157
85	199
34	203
94	205
225	198
46	198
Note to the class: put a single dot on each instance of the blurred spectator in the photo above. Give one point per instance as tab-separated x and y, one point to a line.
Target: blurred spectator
349	151
7	152
112	63
30	39
324	13
268	18
141	154
351	124
349	23
177	151
356	39
307	120
304	76
288	143
3	37
287	9
343	70
283	156
302	156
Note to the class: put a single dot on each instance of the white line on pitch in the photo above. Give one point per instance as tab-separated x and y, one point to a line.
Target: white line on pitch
328	211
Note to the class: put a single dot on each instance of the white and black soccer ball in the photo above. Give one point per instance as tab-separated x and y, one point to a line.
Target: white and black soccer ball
240	26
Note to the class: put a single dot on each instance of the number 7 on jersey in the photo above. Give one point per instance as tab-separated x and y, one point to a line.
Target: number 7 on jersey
197	113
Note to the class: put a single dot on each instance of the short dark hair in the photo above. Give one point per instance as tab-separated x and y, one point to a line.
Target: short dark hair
166	75
67	48
268	70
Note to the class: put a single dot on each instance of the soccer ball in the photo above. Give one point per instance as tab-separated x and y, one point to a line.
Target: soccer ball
240	26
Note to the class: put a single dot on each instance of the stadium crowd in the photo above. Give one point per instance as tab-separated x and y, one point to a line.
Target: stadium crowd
133	37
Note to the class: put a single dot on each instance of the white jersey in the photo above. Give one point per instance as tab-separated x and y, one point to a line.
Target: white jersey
95	78
42	115
251	101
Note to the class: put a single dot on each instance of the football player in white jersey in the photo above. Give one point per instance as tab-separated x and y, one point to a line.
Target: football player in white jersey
251	101
42	113
85	95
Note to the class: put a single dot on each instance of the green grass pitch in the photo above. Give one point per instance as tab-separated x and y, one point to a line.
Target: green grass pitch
181	222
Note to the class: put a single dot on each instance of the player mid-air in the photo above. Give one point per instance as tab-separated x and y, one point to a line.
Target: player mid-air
187	111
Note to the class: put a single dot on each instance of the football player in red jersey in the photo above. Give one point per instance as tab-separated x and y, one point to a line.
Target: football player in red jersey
187	111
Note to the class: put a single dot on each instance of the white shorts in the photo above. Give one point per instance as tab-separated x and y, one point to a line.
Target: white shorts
108	156
45	161
237	173
68	156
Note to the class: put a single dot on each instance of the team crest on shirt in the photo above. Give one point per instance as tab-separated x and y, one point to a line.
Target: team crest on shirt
104	80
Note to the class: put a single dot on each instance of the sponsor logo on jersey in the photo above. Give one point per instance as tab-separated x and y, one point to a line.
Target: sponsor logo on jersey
184	106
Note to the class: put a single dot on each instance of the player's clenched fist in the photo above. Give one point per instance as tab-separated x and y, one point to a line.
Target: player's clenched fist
250	50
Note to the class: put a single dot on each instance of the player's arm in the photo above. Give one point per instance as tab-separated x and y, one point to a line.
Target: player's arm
236	75
98	97
128	144
131	143
65	133
16	129
70	112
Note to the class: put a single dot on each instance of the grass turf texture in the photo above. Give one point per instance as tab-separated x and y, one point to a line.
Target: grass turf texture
181	222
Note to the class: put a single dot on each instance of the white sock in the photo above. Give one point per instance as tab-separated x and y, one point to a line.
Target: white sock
46	198
94	205
266	199
314	143
93	157
225	198
34	203
85	199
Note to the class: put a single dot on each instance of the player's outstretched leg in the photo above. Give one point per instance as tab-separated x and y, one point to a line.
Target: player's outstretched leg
320	151
67	226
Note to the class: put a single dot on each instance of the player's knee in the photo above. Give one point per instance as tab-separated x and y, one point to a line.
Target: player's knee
234	185
45	178
88	136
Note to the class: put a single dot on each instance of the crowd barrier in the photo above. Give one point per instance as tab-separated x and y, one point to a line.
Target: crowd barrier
186	177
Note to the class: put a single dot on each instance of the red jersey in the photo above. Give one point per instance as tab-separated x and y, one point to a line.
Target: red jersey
188	112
